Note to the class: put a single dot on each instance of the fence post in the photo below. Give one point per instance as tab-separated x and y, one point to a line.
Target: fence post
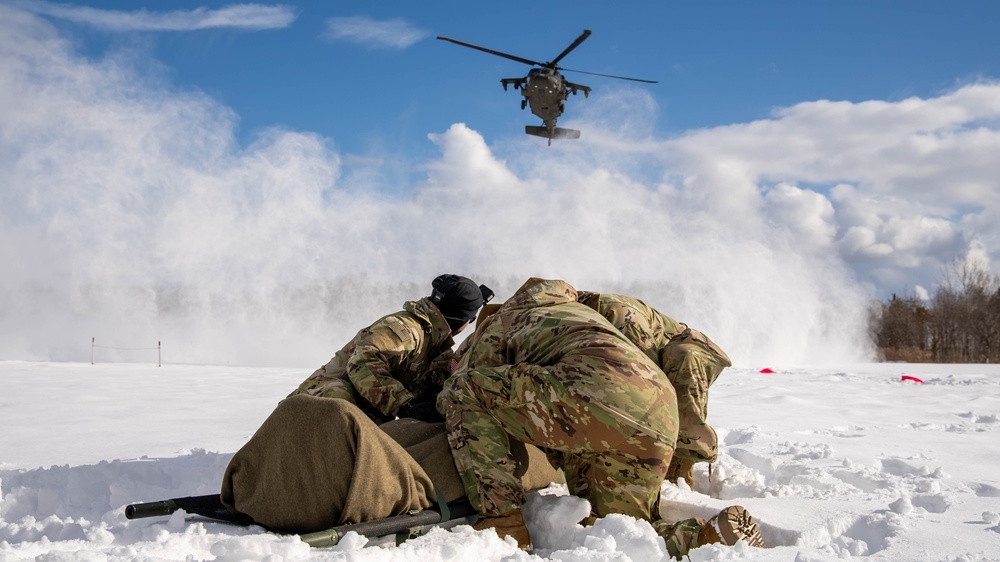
92	350
158	353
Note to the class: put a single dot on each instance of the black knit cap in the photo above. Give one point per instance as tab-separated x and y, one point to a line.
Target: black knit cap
458	298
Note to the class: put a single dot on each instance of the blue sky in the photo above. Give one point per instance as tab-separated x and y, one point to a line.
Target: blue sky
384	79
795	160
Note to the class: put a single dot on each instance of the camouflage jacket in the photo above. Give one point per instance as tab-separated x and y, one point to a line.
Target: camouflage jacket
401	356
642	324
688	358
649	329
543	324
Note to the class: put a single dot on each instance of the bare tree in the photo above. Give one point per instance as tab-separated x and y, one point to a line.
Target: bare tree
960	324
903	331
966	320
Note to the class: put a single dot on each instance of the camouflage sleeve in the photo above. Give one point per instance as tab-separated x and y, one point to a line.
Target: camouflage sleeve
387	347
669	327
463	347
439	370
589	298
485	348
692	368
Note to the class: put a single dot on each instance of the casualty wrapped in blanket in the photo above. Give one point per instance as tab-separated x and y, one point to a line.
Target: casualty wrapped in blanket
318	463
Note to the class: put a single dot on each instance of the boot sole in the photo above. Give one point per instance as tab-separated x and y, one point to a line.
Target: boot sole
735	523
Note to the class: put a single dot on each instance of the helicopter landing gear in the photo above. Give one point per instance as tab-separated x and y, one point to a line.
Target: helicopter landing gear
524	103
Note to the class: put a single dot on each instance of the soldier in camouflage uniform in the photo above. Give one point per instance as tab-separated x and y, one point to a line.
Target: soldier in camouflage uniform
691	361
550	371
396	366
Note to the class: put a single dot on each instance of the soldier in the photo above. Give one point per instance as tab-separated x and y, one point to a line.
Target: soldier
691	361
396	366
547	370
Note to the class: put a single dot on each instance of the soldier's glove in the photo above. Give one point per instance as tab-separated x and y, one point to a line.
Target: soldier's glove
421	409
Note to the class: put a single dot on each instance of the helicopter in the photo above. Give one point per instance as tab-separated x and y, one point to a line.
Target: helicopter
545	89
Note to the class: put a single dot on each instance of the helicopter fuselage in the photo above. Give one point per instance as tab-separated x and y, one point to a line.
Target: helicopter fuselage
545	91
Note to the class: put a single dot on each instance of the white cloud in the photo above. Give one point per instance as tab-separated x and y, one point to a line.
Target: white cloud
935	150
862	242
978	255
242	16
363	30
807	214
911	183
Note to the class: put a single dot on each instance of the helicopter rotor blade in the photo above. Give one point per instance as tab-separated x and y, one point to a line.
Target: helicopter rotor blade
491	51
611	76
575	44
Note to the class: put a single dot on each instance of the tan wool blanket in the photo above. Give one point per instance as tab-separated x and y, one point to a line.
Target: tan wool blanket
317	463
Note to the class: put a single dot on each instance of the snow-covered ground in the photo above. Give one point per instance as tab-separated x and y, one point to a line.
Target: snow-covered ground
847	462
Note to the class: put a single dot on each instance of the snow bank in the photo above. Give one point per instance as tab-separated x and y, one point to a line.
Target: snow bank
834	464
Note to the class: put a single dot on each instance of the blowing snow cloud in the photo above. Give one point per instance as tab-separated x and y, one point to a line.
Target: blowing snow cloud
131	214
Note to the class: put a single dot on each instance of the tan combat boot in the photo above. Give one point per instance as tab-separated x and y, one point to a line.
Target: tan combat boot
510	524
681	468
730	526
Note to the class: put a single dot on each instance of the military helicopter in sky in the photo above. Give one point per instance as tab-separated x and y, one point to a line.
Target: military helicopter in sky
545	90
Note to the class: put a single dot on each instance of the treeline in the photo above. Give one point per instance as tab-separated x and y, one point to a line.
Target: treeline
959	324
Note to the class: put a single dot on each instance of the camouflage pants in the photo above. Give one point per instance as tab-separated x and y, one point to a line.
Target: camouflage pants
692	362
617	467
680	537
